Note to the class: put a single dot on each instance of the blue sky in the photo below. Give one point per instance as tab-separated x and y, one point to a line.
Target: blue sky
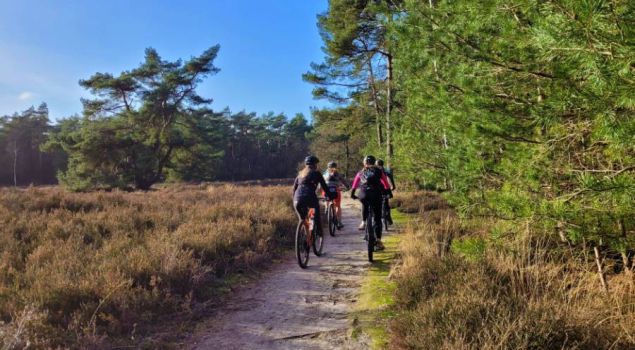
47	46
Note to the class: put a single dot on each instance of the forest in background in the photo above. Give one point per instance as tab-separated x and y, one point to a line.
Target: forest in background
145	126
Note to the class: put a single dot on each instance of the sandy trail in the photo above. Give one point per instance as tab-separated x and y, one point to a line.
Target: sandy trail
292	308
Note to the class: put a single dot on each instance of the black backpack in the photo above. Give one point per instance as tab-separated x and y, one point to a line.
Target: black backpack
370	179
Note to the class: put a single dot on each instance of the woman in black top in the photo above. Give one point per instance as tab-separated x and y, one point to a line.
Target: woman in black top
304	190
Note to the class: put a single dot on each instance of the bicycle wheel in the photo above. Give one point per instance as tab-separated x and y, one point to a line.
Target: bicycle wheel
370	234
332	220
318	241
302	248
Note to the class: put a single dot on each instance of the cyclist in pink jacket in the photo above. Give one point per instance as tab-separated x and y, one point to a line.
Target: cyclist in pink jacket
372	184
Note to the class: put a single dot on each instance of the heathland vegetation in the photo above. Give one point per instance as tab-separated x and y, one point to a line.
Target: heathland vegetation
460	288
97	269
518	116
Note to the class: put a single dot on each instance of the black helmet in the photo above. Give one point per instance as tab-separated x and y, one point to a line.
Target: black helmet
332	165
311	160
379	162
369	159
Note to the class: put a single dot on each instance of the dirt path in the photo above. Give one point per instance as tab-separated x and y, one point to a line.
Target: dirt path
292	308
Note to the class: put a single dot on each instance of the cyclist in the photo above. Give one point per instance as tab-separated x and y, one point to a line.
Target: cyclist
334	181
304	190
372	184
380	164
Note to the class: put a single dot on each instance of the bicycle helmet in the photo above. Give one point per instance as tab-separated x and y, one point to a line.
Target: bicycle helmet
379	162
332	165
311	160
369	159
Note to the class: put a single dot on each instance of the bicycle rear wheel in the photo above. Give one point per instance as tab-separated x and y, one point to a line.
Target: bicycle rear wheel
370	234
318	241
332	220
302	248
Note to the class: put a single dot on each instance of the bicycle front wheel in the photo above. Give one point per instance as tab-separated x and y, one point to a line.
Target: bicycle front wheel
302	248
332	220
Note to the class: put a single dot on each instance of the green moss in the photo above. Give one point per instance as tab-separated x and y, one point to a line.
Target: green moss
399	218
374	307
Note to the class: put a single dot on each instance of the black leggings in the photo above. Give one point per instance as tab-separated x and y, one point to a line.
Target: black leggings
386	209
302	209
375	202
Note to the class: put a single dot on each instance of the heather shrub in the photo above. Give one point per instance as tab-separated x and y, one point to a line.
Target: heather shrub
86	269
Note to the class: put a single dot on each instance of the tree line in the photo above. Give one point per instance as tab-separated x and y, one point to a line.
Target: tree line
149	125
520	111
23	162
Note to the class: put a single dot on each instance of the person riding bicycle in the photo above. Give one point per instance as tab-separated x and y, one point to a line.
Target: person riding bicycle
380	164
304	190
372	184
334	181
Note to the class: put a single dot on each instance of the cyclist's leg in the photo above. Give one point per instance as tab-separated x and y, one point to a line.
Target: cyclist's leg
364	209
376	202
301	209
387	208
337	203
315	204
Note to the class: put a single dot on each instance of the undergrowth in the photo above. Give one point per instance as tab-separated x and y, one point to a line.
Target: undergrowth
459	287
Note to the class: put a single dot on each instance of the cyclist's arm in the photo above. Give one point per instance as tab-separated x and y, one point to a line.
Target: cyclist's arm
391	177
344	182
384	181
323	185
355	186
295	186
356	181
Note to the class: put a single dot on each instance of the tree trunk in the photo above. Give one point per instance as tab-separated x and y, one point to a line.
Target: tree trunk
389	150
373	90
40	172
598	262
348	155
15	163
447	182
628	265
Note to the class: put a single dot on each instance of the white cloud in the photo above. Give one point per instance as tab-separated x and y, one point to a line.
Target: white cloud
25	96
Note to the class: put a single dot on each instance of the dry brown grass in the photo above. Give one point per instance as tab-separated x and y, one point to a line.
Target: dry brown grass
79	270
527	292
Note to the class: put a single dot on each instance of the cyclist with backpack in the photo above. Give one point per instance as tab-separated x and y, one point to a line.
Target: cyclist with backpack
304	190
334	181
372	184
380	164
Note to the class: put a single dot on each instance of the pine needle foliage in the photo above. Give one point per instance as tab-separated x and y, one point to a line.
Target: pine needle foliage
523	110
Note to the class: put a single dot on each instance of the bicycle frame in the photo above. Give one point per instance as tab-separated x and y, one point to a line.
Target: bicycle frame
310	218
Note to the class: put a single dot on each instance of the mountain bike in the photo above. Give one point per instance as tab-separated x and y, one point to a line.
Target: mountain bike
330	212
307	237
